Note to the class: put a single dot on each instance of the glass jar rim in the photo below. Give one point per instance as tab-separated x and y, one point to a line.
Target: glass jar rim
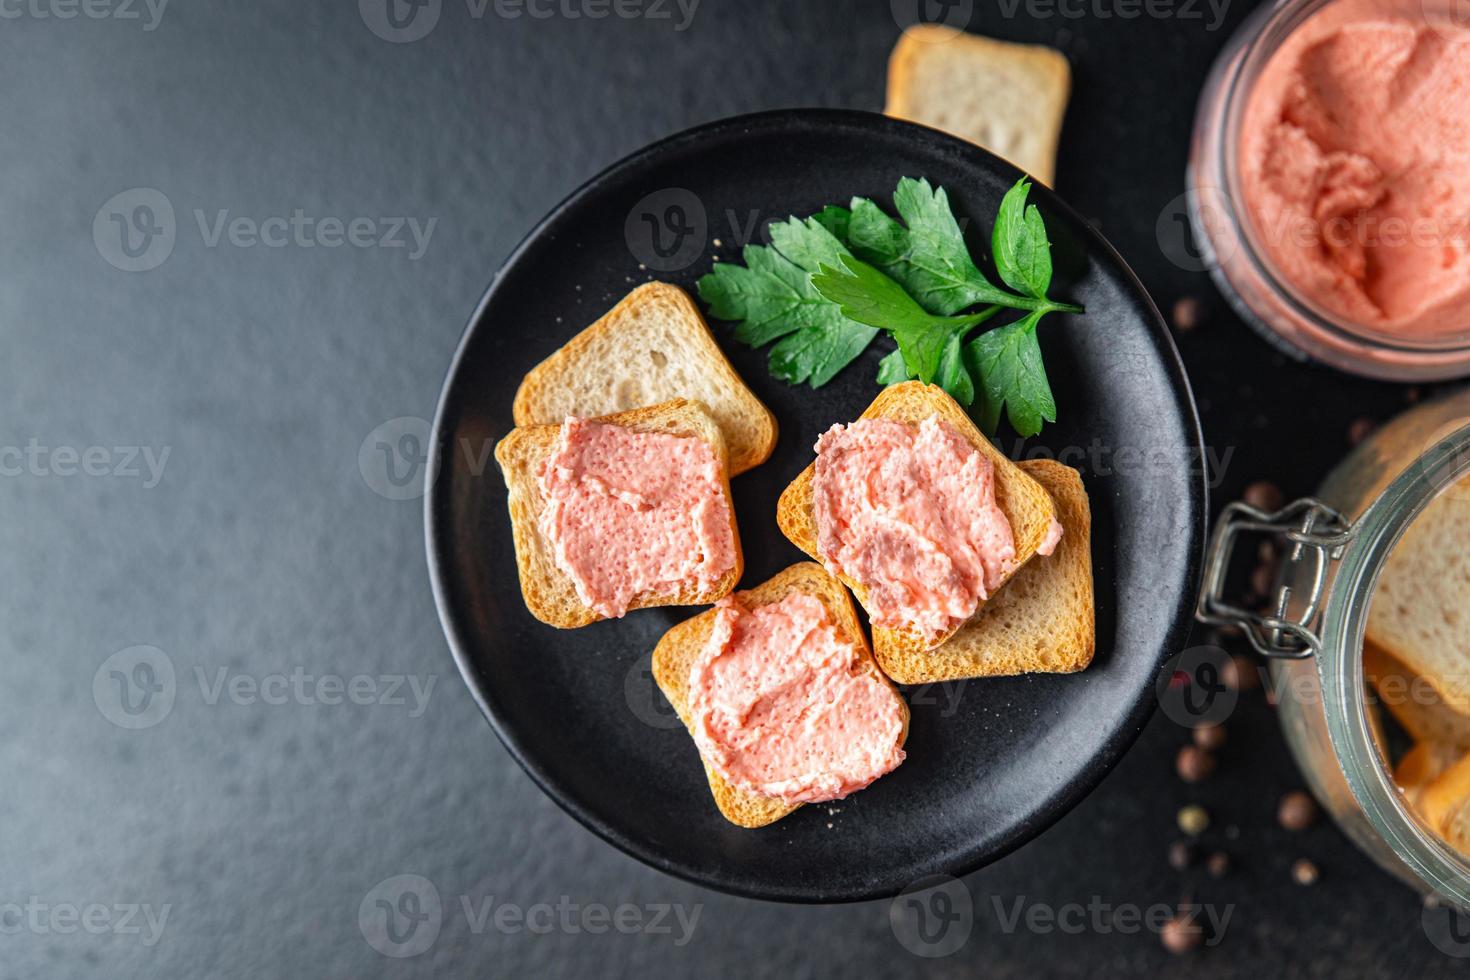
1277	22
1340	666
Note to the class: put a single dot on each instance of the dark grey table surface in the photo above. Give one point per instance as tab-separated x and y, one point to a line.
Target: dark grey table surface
247	819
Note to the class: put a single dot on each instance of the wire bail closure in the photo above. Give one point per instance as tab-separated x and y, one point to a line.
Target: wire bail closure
1314	532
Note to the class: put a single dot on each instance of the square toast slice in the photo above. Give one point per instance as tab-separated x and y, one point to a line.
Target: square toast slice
1009	98
1044	619
1027	506
549	592
652	347
1444	804
675	654
1413	701
1418	615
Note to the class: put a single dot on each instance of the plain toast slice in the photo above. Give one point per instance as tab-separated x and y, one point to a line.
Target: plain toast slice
1444	804
1413	701
1009	98
652	347
1027	506
675	654
549	592
1420	613
1044	619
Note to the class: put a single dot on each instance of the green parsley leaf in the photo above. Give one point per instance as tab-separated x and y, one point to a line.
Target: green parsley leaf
892	370
1022	251
772	298
929	256
836	220
868	296
954	374
1007	360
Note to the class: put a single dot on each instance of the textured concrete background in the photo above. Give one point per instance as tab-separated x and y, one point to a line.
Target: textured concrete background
271	573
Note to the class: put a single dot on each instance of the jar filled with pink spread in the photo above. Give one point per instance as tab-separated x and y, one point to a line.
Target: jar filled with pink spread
1329	182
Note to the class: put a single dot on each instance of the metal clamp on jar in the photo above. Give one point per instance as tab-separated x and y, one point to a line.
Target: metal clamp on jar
1334	547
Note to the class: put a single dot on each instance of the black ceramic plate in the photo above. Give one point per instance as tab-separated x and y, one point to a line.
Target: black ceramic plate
990	763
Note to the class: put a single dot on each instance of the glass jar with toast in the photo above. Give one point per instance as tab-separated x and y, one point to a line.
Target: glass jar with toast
1366	636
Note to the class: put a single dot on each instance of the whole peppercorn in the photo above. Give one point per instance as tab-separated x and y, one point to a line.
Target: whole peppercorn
1194	764
1193	820
1211	738
1297	811
1219	864
1239	673
1264	495
1181	934
1188	313
1183	854
1360	429
1304	872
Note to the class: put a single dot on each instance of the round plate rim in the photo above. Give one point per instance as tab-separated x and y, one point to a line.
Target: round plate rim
1117	743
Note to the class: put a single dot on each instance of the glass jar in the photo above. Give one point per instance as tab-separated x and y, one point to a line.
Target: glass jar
1231	246
1333	548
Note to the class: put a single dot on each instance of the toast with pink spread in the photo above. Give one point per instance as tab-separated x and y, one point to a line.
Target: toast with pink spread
653	346
1025	506
857	741
619	513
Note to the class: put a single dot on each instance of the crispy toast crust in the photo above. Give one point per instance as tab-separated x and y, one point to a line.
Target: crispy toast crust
748	425
676	652
1045	115
1044	620
1025	503
549	592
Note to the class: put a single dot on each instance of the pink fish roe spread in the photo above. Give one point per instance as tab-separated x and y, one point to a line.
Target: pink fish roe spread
1355	169
909	513
783	708
630	513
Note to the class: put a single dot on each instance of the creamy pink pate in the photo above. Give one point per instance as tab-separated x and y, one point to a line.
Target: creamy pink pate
909	513
1355	169
629	513
782	707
